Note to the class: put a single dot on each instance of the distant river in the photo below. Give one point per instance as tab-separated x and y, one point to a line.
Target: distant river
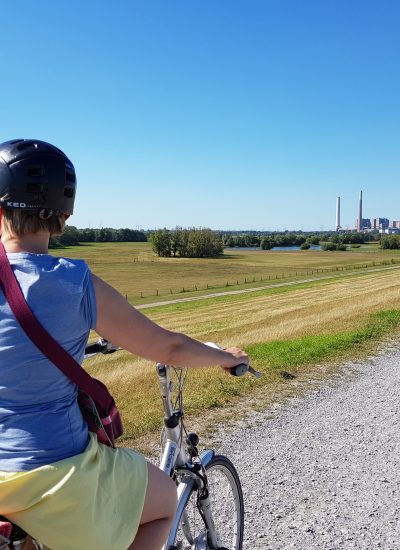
276	248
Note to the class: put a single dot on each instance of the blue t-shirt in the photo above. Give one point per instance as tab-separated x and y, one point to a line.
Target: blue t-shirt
40	420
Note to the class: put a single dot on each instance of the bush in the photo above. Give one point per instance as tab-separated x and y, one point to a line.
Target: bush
328	247
391	242
305	246
267	243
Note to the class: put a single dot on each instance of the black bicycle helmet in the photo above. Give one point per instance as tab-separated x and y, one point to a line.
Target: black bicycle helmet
36	177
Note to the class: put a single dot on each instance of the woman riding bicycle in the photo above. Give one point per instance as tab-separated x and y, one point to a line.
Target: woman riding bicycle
56	481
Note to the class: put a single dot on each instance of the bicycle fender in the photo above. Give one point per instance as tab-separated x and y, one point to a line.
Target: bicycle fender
206	457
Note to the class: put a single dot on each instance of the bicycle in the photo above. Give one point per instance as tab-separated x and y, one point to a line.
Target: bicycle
210	513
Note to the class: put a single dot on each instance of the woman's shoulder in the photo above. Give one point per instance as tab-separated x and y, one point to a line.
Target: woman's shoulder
71	272
47	261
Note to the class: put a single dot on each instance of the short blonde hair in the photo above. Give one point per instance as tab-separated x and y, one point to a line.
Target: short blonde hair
19	222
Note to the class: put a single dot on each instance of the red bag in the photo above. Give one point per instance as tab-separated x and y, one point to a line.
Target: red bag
107	425
96	403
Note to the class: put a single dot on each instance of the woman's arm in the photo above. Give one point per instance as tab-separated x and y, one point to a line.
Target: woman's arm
126	327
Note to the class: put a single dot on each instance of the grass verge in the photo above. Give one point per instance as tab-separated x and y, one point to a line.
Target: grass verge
279	361
290	354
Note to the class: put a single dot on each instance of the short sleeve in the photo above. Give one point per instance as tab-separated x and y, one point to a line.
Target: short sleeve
89	301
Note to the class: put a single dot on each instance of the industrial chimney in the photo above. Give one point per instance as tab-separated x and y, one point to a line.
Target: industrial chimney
360	214
338	214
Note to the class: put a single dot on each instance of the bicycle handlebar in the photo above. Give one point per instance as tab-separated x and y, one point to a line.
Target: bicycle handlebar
237	370
101	346
104	346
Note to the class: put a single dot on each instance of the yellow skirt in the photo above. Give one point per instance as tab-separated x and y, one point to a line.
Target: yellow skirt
91	501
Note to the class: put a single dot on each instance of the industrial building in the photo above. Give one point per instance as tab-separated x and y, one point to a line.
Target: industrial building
383	225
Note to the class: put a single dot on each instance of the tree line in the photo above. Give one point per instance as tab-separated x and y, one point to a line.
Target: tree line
202	242
74	236
187	243
328	240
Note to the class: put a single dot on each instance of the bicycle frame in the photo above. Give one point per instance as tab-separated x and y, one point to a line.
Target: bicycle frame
175	460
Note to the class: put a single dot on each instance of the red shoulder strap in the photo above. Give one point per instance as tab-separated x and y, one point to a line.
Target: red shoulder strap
42	339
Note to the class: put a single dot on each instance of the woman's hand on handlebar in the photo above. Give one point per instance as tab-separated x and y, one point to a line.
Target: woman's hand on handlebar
238	356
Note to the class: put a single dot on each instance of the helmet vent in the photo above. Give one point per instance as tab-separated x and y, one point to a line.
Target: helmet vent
34	188
69	192
35	171
70	176
26	145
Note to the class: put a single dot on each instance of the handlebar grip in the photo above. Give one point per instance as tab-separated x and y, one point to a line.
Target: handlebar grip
239	370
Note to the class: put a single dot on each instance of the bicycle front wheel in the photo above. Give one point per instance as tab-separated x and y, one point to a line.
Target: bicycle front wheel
226	506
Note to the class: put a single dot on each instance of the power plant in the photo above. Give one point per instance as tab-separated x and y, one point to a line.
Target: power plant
383	225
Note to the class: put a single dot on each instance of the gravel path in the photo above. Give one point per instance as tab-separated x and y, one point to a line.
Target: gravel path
323	471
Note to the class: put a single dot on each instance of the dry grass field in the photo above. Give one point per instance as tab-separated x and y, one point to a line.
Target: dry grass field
331	307
142	276
323	308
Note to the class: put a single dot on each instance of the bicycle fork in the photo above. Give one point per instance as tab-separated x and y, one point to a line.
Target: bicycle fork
204	504
193	480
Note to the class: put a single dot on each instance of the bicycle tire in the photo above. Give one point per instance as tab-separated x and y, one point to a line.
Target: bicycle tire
227	506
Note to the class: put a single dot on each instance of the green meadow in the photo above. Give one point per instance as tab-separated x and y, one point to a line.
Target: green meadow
143	277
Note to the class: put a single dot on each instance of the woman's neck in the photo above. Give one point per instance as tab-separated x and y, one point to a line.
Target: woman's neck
37	243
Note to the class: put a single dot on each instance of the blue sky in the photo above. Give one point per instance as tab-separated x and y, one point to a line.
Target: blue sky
232	114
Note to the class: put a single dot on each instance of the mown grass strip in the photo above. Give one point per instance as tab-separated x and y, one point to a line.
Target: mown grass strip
269	290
